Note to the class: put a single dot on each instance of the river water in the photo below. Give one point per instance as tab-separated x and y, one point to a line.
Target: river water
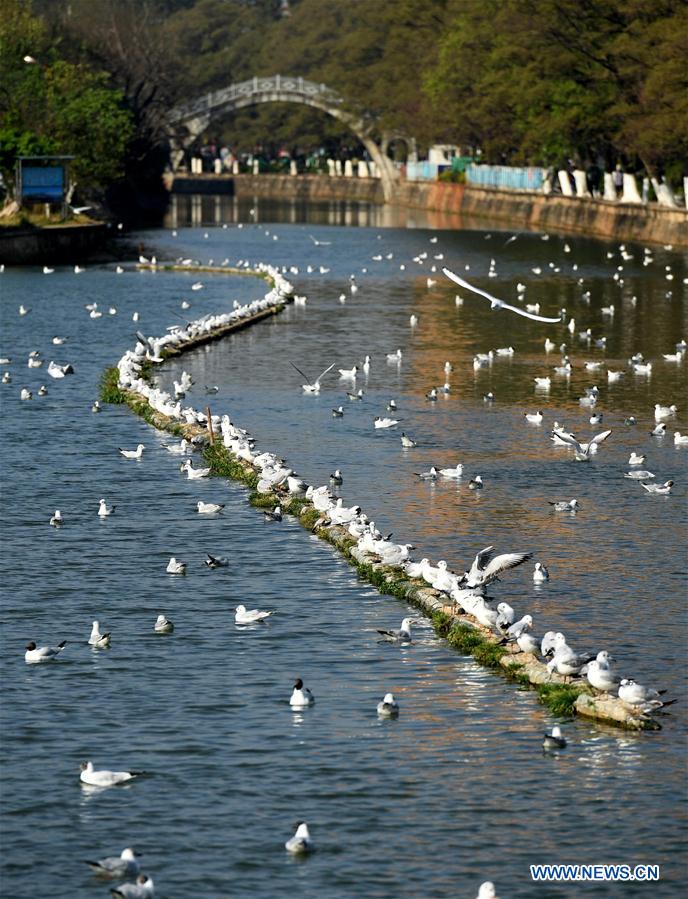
457	790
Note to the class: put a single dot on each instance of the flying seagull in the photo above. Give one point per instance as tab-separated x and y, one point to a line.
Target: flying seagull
315	386
494	301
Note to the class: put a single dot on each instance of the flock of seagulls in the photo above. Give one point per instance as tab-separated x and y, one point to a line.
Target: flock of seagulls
467	591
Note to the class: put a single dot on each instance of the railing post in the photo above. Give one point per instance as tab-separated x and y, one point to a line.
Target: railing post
277	82
255	82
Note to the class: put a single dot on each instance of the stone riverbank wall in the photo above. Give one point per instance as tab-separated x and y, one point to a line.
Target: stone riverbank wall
59	244
463	205
131	383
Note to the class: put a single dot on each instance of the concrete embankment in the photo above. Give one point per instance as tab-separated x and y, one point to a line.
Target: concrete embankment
131	383
459	205
59	244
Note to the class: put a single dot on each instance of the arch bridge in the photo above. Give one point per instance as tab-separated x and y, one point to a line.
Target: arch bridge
190	120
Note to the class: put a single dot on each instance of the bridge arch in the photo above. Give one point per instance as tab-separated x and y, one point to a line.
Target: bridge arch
195	117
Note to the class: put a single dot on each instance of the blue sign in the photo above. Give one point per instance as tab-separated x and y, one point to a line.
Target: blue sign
44	183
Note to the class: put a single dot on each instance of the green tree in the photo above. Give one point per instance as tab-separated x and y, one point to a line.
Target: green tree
53	106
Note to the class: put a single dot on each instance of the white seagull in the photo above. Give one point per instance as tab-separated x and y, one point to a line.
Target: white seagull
496	303
313	387
193	474
583	450
301	696
301	842
133	454
35	653
485	569
555	740
662	489
540	574
163	625
564	506
403	635
100	641
122	865
142	889
175	567
105	778
249	616
389	707
104	510
209	508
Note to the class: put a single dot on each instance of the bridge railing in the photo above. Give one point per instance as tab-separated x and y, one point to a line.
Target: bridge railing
274	84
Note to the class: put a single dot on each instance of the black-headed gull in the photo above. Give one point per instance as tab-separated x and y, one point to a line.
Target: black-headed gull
496	303
403	635
122	865
555	740
216	561
249	616
565	506
100	641
142	889
301	696
486	569
163	625
209	508
104	510
583	451
540	574
133	454
104	778
301	842
174	566
389	707
312	387
35	653
661	489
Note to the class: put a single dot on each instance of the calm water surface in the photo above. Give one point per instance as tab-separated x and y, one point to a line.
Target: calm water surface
457	790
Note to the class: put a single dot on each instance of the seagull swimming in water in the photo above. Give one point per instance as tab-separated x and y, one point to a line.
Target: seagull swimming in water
122	865
540	574
301	696
104	510
662	489
301	842
564	506
142	889
163	625
496	303
406	442
35	653
175	567
389	707
249	616
216	561
313	387
555	740
209	508
403	635
133	454
105	778
100	641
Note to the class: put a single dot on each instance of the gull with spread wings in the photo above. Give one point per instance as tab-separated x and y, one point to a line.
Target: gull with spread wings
486	569
583	451
315	386
496	303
